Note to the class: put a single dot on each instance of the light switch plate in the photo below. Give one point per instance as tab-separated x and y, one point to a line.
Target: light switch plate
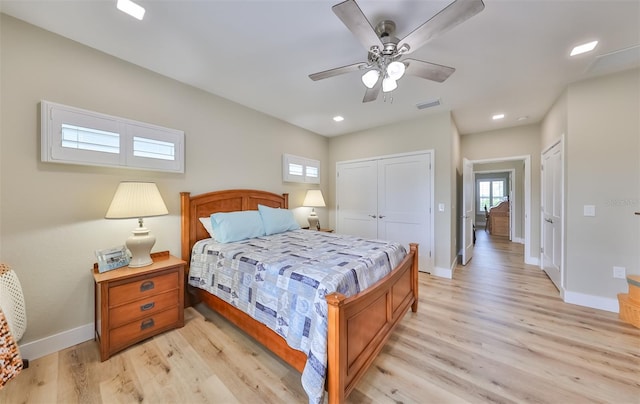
619	272
441	207
589	210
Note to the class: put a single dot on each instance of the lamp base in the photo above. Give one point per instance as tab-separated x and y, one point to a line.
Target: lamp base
140	244
314	221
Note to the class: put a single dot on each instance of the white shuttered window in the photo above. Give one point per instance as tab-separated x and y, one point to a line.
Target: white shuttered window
300	169
76	136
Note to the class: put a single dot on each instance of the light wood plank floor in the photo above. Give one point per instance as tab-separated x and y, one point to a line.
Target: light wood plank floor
498	332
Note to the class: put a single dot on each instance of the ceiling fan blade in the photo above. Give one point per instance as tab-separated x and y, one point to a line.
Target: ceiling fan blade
337	71
351	15
372	93
429	71
454	14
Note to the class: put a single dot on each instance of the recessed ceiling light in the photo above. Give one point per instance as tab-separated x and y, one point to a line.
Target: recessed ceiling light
338	118
523	118
585	47
497	116
131	8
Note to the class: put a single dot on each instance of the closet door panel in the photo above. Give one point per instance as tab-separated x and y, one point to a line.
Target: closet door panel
357	198
404	200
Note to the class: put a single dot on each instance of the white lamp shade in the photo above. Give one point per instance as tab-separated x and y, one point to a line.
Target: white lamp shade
136	200
370	78
314	199
388	84
395	70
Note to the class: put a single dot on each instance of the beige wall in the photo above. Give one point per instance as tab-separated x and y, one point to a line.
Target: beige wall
430	132
602	169
504	144
52	214
554	125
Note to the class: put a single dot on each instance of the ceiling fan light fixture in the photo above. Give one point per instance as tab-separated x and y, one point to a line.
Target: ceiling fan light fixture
388	84
370	78
395	70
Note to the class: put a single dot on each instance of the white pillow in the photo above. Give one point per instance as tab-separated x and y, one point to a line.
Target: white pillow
206	222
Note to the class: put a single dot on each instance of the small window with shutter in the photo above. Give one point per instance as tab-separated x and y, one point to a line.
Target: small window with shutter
75	136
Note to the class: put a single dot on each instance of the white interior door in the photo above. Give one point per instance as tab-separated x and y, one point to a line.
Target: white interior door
356	196
551	234
404	200
467	211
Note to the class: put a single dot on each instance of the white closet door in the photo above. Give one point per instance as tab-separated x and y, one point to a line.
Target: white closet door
357	193
404	194
388	198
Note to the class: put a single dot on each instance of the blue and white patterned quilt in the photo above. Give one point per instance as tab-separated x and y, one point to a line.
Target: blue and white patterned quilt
281	280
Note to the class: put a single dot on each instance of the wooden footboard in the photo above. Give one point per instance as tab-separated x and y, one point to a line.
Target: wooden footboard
358	326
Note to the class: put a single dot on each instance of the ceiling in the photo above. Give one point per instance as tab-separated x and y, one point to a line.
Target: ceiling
511	58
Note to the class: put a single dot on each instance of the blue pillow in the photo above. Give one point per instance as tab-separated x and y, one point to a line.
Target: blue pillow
235	226
277	220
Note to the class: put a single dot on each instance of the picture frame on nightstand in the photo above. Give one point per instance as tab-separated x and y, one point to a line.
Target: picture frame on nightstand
112	258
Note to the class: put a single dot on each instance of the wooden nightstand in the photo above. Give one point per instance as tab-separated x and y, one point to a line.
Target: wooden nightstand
132	304
324	230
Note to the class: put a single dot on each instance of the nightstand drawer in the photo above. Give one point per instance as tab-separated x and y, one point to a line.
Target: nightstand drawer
140	329
143	288
142	308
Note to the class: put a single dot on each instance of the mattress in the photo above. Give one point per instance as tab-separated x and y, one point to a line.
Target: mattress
281	280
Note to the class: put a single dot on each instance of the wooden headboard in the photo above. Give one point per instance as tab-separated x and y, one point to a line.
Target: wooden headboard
203	205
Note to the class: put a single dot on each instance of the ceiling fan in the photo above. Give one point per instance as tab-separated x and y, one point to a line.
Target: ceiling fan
383	66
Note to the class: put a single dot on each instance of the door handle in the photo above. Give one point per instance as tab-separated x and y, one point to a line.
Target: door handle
548	220
380	216
373	216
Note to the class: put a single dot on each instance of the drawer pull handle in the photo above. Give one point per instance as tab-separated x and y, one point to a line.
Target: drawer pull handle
148	285
147	324
147	306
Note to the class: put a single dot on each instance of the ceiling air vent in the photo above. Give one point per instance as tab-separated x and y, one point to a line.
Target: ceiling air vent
616	61
428	104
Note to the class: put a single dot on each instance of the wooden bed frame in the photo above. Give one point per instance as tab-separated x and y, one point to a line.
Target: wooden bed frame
359	326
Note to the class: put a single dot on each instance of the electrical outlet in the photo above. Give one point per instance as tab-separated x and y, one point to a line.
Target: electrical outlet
619	272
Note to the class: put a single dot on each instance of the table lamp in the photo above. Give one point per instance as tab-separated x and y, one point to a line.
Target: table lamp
314	200
138	200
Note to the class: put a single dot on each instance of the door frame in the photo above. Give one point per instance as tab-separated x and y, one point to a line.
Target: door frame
431	259
559	141
528	259
468	236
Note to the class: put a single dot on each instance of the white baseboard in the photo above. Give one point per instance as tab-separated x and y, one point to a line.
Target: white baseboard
446	272
532	261
442	272
54	343
518	240
595	302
